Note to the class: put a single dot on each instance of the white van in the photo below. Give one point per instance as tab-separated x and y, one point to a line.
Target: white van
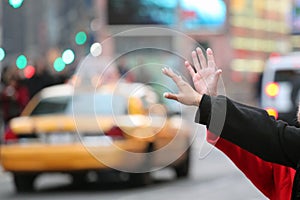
281	86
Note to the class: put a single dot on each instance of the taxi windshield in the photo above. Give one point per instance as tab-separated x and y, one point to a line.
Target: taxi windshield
83	104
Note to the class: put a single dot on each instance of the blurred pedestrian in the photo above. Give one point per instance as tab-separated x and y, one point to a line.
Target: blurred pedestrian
250	128
3	84
14	96
42	78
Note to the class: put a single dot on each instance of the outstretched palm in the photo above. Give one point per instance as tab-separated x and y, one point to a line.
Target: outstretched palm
206	76
205	79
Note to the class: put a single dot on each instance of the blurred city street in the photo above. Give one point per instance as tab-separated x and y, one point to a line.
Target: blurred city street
211	178
82	93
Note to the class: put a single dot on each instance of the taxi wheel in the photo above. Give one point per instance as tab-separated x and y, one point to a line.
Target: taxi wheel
140	179
143	179
182	170
24	182
79	178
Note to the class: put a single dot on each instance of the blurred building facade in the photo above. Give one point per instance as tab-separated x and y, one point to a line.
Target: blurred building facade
39	26
258	30
250	32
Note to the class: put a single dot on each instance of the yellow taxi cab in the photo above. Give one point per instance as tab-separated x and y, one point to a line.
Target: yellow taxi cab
121	127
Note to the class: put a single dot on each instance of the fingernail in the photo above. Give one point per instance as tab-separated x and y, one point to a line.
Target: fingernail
209	50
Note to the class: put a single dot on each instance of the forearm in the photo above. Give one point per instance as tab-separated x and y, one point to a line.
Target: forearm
250	128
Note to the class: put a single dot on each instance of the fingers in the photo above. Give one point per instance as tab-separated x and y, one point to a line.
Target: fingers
218	74
196	61
169	72
210	58
189	68
171	96
201	57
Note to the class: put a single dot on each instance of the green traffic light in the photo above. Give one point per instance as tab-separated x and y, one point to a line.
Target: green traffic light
21	62
2	54
80	38
15	3
59	64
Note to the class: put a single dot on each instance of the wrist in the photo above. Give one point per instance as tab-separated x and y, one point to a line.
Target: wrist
198	99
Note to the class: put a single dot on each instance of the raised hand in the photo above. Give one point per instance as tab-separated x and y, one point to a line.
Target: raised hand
205	75
186	94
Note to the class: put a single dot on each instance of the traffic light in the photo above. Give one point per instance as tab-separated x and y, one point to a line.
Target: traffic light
15	3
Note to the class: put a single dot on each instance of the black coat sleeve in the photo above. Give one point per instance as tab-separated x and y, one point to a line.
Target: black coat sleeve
251	128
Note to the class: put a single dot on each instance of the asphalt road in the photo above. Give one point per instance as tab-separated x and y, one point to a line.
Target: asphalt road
213	177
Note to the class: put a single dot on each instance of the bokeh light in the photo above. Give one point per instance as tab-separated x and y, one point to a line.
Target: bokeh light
96	49
21	62
272	89
59	64
80	38
29	71
68	56
2	54
15	3
272	112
